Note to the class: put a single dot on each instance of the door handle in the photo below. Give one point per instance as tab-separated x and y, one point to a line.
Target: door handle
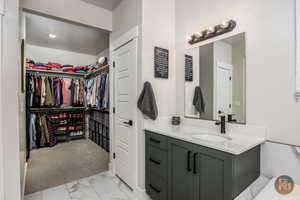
189	161
154	161
195	163
154	140
129	123
153	188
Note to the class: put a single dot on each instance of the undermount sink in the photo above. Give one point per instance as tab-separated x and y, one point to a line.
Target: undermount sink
212	138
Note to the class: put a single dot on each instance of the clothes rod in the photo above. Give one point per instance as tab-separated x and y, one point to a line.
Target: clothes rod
97	72
54	73
57	109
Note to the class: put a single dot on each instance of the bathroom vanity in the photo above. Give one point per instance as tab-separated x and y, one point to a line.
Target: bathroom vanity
200	163
181	167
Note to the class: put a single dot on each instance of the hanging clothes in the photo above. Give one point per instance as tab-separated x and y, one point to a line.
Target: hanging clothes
65	95
32	131
77	92
45	91
50	128
49	98
97	91
44	131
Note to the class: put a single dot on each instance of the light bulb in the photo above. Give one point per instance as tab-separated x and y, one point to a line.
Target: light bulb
225	24
188	38
52	36
198	34
210	29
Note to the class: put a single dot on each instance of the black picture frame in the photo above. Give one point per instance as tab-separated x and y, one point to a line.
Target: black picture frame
188	68
161	63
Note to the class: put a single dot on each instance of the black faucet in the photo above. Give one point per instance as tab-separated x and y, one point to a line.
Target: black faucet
222	122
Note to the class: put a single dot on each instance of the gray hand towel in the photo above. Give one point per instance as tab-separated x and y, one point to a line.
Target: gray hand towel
198	100
147	102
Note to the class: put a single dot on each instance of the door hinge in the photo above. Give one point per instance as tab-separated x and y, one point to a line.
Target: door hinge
114	110
114	64
114	155
230	78
229	105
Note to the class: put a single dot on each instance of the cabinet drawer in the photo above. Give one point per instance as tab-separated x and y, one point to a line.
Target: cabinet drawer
156	188
157	161
156	140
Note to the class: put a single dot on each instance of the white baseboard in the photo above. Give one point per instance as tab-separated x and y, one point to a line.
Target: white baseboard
24	181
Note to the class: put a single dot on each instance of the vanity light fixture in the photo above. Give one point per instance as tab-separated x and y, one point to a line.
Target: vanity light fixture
210	32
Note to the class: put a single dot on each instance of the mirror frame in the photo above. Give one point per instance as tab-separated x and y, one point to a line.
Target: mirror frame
246	79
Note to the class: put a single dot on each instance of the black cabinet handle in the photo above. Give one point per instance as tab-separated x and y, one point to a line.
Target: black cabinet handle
153	188
195	163
154	140
189	161
154	161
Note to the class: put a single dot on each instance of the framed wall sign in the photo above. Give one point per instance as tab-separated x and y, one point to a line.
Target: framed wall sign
188	68
161	63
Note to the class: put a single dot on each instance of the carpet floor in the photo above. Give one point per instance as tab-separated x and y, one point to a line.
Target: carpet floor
66	162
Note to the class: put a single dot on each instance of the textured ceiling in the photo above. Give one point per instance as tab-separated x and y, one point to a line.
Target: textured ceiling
106	4
70	37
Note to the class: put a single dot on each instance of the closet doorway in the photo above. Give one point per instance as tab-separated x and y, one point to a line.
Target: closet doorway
67	101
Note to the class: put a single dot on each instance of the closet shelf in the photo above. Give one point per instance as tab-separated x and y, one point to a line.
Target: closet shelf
58	73
70	74
57	109
76	137
97	72
98	110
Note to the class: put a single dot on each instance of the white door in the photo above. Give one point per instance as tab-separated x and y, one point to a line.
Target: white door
125	79
224	89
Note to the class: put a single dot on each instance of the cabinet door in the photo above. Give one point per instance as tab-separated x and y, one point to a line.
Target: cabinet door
180	170
213	175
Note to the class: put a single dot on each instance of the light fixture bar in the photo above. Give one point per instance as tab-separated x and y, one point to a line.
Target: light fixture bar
211	32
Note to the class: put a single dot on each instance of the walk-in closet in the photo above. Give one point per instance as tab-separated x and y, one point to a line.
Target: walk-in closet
66	81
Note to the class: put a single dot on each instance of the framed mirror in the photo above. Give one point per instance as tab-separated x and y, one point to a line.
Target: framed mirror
215	80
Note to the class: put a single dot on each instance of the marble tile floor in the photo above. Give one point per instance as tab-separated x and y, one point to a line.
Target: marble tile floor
103	186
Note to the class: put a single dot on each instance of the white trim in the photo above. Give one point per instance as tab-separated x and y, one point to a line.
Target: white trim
1	115
126	37
2	7
297	69
24	180
224	65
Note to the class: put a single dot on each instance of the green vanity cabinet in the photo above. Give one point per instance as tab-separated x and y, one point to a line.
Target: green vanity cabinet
180	170
192	172
156	166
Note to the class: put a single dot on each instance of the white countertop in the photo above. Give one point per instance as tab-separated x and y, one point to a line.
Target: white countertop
269	193
239	143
